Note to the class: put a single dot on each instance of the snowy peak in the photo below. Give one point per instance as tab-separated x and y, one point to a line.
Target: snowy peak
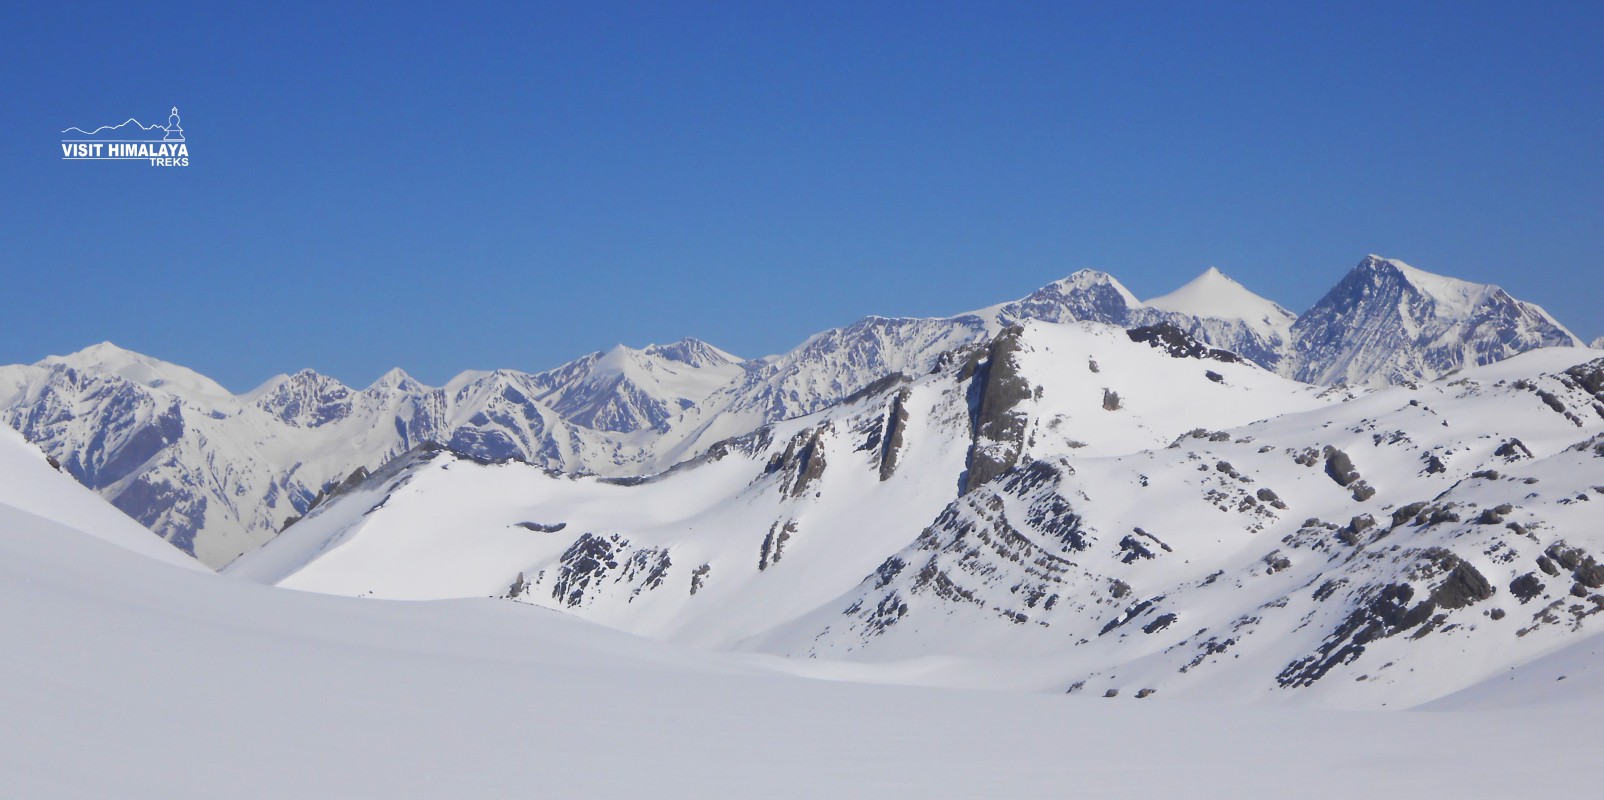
692	352
1598	344
307	400
1388	322
1087	295
1214	294
625	389
109	359
396	380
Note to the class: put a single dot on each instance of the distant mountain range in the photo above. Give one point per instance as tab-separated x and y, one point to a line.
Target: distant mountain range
218	474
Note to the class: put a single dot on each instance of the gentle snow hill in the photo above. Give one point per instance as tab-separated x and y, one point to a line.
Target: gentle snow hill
1068	507
129	678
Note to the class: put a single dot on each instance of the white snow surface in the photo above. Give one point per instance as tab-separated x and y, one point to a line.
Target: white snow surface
132	678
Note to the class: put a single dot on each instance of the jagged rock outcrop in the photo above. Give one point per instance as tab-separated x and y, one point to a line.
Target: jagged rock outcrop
996	390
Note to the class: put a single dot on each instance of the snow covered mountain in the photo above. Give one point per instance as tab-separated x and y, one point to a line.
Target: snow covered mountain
132	678
1074	508
1387	322
1230	316
218	474
1598	344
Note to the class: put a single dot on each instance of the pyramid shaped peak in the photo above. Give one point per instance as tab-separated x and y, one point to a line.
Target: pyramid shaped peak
1217	295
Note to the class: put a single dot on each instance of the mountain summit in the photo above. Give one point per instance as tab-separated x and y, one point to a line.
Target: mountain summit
1388	322
1214	294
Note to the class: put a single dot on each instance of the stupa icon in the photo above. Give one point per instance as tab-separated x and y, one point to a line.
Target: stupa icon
175	132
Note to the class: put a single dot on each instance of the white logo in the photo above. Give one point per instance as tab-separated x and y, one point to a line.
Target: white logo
129	141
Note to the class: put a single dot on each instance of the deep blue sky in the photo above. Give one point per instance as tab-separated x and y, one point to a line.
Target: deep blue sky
374	186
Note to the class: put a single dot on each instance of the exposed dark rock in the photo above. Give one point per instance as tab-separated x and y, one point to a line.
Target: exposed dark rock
1494	516
1111	400
998	425
543	528
1132	548
1526	588
1463	584
1130	613
1340	467
1329	588
592	558
773	548
699	578
802	460
1583	567
1408	512
583	564
1178	343
1159	623
1552	401
896	432
1052	515
1386	611
1513	450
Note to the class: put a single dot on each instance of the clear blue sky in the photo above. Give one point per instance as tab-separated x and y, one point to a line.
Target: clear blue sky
515	185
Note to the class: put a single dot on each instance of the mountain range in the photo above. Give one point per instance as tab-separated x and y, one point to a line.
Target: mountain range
219	474
136	672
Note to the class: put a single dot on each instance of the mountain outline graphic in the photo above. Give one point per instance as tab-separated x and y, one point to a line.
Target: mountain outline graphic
118	128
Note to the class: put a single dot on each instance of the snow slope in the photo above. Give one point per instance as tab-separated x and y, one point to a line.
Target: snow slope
34	487
1069	507
134	678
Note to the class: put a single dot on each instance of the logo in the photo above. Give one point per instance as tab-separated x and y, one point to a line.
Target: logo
131	140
